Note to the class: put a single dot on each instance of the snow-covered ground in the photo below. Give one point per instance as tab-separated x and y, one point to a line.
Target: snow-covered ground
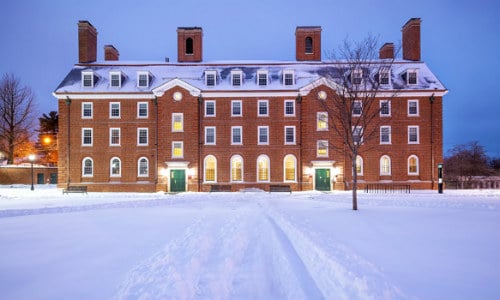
251	245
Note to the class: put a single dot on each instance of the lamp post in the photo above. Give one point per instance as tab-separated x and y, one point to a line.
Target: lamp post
32	159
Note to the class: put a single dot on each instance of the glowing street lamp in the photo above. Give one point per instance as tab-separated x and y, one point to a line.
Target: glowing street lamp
31	157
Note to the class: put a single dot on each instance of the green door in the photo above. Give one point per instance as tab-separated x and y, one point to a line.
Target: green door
177	180
40	178
322	180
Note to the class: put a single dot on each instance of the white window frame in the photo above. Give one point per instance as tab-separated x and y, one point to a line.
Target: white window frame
294	135
416	107
139	167
207	129
294	168
417	131
206	108
266	102
210	73
139	130
389	135
91	130
262	73
177	143
289	73
285	107
111	104
111	80
418	167
240	128
84	79
139	110
266	128
174	116
388	108
382	170
111	167
235	73
318	147
381	72
357	75
91	110
319	119
415	71
233	102
91	174
268	175
358	129
111	137
359	162
148	79
357	103
233	158
205	168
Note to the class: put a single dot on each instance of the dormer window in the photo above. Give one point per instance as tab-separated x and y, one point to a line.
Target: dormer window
288	78
210	78
143	79
411	76
356	76
236	78
262	78
384	76
88	79
115	79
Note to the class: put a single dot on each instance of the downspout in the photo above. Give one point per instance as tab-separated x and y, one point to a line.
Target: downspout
68	152
431	100
200	103
299	110
155	102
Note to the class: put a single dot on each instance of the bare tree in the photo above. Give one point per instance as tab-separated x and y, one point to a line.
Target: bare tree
465	162
17	114
354	111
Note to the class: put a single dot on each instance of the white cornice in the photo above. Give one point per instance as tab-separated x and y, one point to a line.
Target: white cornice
96	96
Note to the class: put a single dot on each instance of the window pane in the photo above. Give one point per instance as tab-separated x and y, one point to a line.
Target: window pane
178	149
263	169
288	79
263	135
115	80
210	108
236	79
289	168
87	110
210	165
115	166
143	80
115	110
289	108
178	122
236	135
236	111
210	135
143	137
210	79
236	169
143	109
263	108
87	167
143	166
289	135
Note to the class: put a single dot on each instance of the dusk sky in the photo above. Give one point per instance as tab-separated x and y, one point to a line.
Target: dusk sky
460	42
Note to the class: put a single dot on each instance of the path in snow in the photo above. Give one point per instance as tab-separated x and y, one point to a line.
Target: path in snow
253	252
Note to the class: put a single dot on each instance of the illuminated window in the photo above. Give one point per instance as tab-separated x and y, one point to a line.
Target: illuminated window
177	149
413	165
236	168
263	168
322	121
290	165
322	148
210	168
177	122
385	165
359	165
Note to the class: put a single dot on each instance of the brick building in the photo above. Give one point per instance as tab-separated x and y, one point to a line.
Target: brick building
188	125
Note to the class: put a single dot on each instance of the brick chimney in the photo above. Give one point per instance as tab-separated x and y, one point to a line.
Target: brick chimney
411	39
87	42
189	44
308	43
386	51
111	53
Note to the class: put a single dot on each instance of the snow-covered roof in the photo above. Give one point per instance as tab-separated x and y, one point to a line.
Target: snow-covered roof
193	74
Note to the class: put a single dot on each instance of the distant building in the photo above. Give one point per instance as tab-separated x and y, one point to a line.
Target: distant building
185	126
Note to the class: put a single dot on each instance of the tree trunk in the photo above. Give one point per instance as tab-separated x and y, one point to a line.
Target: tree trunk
354	185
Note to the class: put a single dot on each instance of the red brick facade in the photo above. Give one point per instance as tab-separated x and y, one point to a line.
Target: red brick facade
241	125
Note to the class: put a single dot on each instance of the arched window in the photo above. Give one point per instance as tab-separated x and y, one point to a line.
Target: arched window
143	167
413	165
309	45
359	165
263	168
385	165
189	46
87	167
210	168
115	167
290	166
236	168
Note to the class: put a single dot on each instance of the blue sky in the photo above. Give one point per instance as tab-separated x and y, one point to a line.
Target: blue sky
460	42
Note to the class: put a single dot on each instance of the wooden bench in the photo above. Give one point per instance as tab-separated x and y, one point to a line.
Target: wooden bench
220	188
280	188
75	189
